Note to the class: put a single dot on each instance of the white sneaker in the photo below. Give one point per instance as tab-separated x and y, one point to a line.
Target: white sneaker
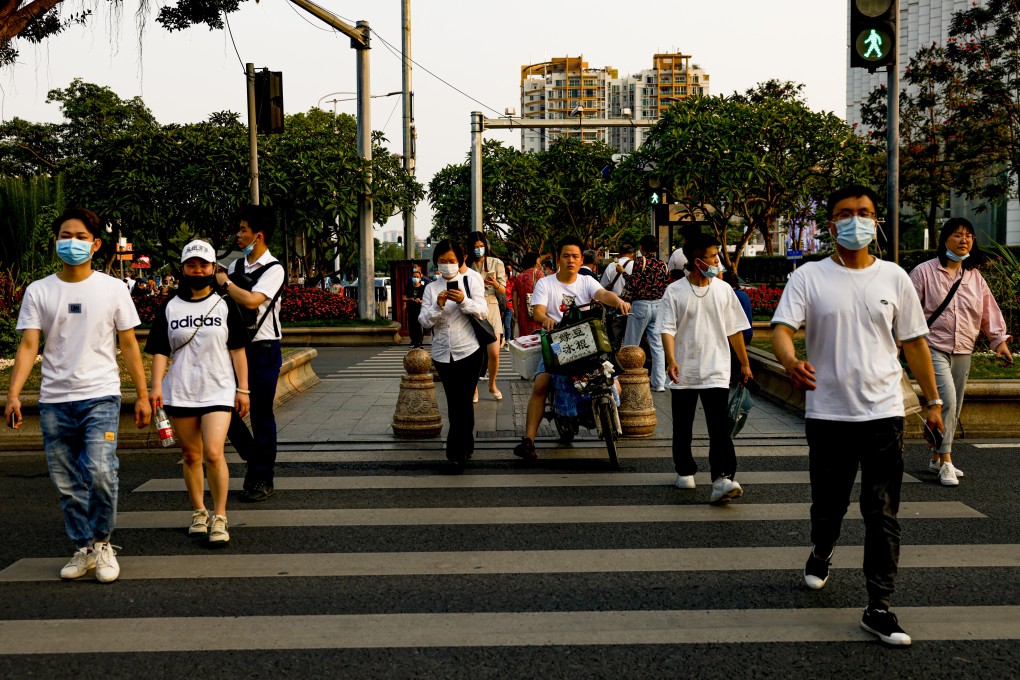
218	530
199	523
685	482
948	476
81	563
725	490
107	569
936	465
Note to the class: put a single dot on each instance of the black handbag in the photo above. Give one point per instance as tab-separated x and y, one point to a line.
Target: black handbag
484	332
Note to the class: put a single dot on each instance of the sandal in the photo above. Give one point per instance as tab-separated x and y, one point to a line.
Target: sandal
496	394
475	400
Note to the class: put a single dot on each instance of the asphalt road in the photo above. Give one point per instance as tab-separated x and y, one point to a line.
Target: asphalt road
398	575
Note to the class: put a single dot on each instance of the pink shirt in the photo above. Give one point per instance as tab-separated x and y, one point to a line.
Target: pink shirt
972	310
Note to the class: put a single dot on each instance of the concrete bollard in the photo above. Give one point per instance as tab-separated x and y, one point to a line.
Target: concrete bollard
637	411
417	413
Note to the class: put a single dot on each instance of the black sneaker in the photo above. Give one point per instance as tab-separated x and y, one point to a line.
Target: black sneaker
816	571
526	449
258	492
883	623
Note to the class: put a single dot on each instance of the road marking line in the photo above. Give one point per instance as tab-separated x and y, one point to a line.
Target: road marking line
481	481
492	629
514	562
609	514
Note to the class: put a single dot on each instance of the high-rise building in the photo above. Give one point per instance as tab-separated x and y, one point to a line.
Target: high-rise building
923	22
566	88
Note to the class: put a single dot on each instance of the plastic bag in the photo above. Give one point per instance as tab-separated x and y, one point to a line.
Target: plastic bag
739	406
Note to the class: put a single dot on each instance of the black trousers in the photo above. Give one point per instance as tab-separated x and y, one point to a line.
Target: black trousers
258	446
460	378
836	450
413	327
721	456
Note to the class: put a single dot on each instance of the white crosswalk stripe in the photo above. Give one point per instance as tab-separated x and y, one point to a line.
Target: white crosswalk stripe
389	363
363	503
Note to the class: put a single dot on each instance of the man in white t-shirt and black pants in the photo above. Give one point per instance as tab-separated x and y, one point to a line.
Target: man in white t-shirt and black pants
82	315
612	279
855	308
551	298
256	224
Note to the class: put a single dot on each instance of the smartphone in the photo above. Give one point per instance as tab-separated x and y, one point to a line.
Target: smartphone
933	437
452	285
12	420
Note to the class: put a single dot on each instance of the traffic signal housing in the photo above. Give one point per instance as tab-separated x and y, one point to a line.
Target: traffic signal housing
269	101
873	33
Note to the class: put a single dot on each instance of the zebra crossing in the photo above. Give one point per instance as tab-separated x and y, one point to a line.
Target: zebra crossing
372	548
389	364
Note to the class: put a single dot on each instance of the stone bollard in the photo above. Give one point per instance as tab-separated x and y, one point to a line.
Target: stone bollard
417	413
637	411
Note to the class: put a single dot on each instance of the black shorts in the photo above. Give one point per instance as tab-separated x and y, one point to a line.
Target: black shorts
194	411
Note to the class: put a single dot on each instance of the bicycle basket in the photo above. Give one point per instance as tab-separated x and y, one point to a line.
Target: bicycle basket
563	347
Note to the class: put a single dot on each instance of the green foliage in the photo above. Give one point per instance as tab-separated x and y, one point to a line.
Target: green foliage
1002	273
745	160
27	207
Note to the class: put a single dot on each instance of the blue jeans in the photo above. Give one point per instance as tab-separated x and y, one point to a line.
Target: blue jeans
258	447
508	324
80	438
951	371
642	321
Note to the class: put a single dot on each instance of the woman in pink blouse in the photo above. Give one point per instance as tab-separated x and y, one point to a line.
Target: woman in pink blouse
971	310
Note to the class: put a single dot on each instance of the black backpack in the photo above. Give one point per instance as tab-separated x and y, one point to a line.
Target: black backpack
247	282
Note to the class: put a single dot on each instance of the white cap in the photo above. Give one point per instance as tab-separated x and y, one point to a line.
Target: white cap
199	249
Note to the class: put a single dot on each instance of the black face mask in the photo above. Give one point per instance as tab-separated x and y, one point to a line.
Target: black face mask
197	282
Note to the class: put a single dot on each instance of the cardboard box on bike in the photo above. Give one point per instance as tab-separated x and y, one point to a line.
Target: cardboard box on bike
564	347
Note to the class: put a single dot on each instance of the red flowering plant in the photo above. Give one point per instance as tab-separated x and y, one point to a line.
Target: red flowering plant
764	300
147	306
309	304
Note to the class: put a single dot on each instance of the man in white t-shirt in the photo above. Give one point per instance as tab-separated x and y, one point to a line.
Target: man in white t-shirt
699	321
257	447
855	308
612	278
552	296
82	315
677	263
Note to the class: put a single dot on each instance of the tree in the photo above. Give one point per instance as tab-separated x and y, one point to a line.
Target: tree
37	20
745	160
984	49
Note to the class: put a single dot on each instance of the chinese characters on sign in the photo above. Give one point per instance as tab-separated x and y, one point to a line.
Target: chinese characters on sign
574	343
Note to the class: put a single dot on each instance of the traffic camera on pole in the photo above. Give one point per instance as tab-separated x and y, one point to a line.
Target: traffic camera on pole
873	33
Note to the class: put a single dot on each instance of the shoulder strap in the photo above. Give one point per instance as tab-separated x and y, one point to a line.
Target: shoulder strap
174	351
945	303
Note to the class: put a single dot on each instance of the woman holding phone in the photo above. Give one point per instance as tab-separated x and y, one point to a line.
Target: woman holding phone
959	307
445	308
491	269
208	379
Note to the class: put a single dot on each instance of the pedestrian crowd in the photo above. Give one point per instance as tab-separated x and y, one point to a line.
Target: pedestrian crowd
216	354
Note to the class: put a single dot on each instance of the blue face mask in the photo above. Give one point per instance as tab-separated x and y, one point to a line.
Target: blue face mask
415	280
956	258
855	233
73	251
248	248
479	252
711	272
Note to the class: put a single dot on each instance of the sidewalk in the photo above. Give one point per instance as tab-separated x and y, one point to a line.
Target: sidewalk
361	409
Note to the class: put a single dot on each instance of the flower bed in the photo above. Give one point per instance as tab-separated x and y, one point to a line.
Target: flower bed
764	300
298	304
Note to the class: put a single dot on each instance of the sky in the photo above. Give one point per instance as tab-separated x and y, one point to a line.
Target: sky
475	46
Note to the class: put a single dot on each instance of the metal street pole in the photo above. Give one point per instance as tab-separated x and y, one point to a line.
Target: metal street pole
366	240
893	143
253	140
477	125
408	106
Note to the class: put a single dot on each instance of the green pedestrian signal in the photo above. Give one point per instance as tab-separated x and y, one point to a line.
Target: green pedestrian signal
655	198
873	33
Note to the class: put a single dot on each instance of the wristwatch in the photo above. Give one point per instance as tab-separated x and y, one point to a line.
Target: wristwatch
935	402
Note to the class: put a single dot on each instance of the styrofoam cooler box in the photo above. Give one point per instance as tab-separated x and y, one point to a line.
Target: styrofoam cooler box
526	355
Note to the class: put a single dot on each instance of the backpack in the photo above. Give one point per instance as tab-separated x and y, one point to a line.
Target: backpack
247	282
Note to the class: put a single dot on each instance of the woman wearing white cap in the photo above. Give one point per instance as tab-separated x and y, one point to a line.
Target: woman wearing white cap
206	336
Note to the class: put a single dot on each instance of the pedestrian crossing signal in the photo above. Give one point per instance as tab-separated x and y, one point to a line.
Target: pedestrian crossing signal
655	198
873	33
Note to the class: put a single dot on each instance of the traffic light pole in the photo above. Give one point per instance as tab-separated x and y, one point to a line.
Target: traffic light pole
366	242
893	144
253	138
407	104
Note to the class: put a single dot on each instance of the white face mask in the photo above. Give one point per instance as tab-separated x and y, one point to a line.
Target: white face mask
448	270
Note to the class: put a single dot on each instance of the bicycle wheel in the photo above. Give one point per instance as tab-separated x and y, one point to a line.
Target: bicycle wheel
564	429
608	423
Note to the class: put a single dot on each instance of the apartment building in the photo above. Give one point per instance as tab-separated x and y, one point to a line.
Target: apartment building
566	88
923	22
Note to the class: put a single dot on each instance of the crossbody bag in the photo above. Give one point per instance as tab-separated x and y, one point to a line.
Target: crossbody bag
945	303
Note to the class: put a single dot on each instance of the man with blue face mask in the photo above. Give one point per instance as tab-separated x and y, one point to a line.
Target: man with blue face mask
855	308
82	315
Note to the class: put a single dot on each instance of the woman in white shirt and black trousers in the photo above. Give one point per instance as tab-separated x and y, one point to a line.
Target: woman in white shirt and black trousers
445	308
